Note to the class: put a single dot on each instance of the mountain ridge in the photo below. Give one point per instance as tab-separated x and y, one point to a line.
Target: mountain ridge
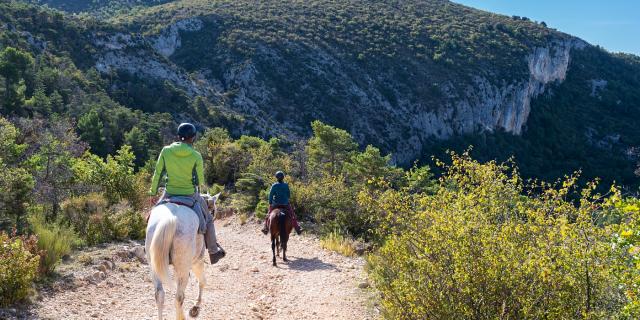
406	76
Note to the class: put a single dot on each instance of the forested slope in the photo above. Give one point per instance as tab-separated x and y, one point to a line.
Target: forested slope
412	77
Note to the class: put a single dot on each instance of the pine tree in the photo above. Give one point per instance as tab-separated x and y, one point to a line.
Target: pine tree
91	131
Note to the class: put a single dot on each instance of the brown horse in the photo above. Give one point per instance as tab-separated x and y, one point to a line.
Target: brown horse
280	227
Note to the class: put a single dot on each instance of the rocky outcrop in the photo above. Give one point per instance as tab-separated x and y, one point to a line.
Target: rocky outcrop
136	55
168	41
597	85
118	41
143	66
486	106
403	126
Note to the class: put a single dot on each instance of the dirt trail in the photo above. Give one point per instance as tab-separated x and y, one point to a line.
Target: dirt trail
314	284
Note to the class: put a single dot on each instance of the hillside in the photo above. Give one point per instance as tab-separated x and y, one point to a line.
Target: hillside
411	77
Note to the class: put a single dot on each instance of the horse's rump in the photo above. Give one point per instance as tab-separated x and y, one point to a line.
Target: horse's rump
274	220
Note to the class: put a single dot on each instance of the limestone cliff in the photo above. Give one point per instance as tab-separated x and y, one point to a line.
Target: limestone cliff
402	126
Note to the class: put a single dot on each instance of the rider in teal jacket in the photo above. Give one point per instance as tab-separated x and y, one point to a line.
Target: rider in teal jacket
279	198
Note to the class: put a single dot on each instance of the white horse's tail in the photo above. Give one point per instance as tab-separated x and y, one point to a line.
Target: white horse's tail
160	247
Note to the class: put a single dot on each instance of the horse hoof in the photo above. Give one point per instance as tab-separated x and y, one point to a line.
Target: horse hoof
285	259
274	264
194	312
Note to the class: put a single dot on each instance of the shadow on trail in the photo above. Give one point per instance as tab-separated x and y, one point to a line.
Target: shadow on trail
304	264
20	312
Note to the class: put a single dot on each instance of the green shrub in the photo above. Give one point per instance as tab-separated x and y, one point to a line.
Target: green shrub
127	223
261	209
115	176
97	222
87	216
18	268
216	188
244	203
99	230
330	202
480	248
55	239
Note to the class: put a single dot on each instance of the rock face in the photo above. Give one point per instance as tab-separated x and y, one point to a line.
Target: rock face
145	57
487	106
484	106
169	40
374	106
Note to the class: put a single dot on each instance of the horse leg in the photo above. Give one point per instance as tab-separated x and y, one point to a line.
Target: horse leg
284	249
273	249
159	295
278	246
183	279
283	223
198	270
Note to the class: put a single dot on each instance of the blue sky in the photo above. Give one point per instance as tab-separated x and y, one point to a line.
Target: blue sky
612	24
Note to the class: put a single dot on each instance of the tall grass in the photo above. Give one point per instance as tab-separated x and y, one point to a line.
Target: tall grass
337	242
55	239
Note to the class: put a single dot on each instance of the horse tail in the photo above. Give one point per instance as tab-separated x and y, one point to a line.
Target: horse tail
160	247
282	224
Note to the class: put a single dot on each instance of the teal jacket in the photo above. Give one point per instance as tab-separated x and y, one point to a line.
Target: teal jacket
183	167
279	194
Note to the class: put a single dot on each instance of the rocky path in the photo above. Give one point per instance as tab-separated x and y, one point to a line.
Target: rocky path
113	283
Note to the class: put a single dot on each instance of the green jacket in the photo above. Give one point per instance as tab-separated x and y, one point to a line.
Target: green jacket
183	168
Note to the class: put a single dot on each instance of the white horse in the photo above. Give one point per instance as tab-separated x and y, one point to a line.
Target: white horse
172	231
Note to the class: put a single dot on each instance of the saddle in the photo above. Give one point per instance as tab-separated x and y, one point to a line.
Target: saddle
191	203
179	200
278	212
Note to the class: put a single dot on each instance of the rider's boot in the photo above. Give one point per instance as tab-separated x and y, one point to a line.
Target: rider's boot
215	257
294	221
215	250
265	229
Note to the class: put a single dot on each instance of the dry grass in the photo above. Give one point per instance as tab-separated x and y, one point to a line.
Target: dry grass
242	218
339	243
85	259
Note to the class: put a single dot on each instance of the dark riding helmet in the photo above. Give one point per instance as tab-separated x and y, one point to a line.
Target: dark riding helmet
186	131
279	175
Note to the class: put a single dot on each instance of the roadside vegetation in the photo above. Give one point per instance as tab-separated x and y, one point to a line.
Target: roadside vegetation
465	239
476	242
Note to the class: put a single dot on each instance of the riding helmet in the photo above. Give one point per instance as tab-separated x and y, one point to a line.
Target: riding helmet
279	175
186	131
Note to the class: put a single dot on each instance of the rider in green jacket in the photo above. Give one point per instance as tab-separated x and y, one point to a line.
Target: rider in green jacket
182	165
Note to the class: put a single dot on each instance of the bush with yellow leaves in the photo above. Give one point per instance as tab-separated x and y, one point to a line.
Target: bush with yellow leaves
627	239
18	267
489	246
